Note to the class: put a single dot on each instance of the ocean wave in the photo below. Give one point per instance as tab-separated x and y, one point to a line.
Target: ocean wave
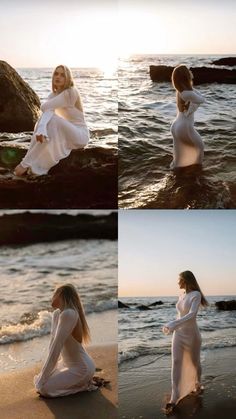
22	332
142	350
102	306
34	325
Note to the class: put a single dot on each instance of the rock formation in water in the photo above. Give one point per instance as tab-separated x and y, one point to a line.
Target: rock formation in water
122	305
231	61
156	303
19	104
226	305
162	73
26	228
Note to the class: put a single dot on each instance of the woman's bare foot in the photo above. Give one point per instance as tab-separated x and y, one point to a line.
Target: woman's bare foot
20	170
169	408
198	389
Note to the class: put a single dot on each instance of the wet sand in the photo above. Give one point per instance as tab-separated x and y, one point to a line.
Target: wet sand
20	401
144	389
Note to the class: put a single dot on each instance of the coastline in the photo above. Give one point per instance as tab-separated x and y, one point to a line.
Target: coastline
19	399
144	390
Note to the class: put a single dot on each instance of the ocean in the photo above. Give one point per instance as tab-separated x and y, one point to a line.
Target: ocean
140	332
29	275
99	96
146	111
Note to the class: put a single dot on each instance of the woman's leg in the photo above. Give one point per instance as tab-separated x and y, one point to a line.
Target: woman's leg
62	383
177	359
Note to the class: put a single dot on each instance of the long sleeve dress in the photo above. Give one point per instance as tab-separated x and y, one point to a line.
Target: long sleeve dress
188	148
186	345
74	372
64	127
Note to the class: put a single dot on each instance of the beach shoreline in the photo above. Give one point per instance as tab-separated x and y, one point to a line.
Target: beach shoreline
19	399
20	355
144	390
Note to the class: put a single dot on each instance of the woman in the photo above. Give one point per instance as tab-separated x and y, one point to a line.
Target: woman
69	330
60	129
186	342
188	145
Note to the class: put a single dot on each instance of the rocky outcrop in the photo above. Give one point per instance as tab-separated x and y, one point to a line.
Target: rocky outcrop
162	73
25	228
156	303
122	305
226	305
85	179
19	104
231	61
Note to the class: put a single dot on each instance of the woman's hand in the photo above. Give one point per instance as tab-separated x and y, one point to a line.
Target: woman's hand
166	330
40	138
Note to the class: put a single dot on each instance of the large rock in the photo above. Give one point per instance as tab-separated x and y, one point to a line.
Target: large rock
156	303
85	179
231	61
162	73
226	305
122	305
26	228
19	104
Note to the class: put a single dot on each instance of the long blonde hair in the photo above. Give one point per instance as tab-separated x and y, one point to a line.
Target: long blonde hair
69	82
182	79
191	284
71	299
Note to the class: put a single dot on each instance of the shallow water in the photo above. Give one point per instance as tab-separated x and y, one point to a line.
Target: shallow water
140	332
146	111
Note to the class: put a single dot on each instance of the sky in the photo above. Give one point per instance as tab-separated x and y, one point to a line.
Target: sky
177	26
93	33
155	246
44	33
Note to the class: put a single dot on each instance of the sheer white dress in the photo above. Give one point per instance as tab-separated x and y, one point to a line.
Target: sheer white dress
186	345
64	127
188	148
74	372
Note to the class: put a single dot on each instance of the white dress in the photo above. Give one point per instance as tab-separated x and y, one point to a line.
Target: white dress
188	148
64	127
74	372
186	344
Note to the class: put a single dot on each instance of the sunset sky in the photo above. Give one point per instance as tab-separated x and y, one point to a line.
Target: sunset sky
177	27
79	33
155	246
93	33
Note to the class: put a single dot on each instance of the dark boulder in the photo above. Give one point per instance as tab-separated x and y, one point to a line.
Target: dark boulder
122	305
231	61
162	73
226	305
156	303
85	179
26	228
19	104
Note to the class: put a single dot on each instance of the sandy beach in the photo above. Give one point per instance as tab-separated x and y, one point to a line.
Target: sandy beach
19	399
143	390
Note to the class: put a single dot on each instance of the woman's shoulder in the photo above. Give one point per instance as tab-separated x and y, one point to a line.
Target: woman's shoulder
194	294
69	313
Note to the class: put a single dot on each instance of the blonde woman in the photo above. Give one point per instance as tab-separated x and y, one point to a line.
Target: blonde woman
187	143
74	373
60	129
186	341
